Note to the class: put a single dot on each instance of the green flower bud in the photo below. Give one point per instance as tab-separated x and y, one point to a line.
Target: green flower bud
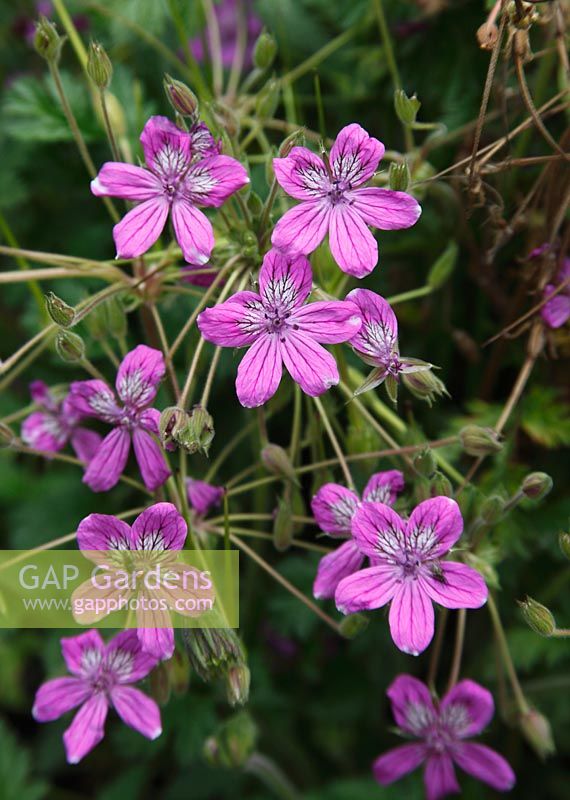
255	205
399	176
440	486
160	683
443	268
564	544
268	99
283	525
492	509
264	51
538	733
198	433
537	617
276	460
7	436
537	485
172	421
424	385
353	624
181	97
477	441
99	67
69	346
233	743
425	463
47	41
213	651
238	679
61	313
406	107
295	139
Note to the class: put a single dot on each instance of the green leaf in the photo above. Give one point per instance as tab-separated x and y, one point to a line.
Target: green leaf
15	770
443	267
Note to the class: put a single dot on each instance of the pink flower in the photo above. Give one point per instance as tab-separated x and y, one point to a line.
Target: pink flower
101	674
177	179
442	729
377	340
227	15
556	312
334	202
137	382
333	509
57	424
408	572
281	330
203	496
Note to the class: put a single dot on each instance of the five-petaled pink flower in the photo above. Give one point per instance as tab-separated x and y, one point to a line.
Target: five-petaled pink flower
101	674
333	509
182	174
377	340
203	496
281	330
408	569
57	424
137	381
556	312
442	730
335	202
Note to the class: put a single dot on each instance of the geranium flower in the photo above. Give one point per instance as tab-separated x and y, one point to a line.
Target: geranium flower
333	509
57	424
409	572
203	496
442	730
556	312
173	182
101	675
334	202
281	330
137	381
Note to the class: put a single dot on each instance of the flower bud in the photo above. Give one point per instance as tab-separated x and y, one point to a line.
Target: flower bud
69	346
213	651
443	268
237	684
353	624
477	441
295	139
264	50
492	509
61	313
487	36
172	421
268	99
255	205
538	733
399	176
198	433
276	460
282	525
424	463
536	485
181	97
406	107
564	544
537	617
99	67
424	385
7	436
160	683
233	743
225	118
440	486
47	41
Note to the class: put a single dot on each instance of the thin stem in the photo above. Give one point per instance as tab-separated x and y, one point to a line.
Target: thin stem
92	369
215	44
239	53
268	537
185	394
411	295
194	69
458	649
164	344
506	658
210	377
108	350
108	127
71	31
321	54
23	265
334	442
436	650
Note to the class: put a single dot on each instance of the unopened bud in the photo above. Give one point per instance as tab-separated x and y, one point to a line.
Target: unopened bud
492	509
406	107
536	485
238	679
225	118
60	312
477	441
276	460
160	683
425	463
268	99
213	651
69	346
353	624
233	743
295	139
443	267
487	36
255	205
538	733
399	176
181	97
198	434
424	385
172	421
537	617
283	525
264	50
440	486
7	436
47	41
564	544
99	67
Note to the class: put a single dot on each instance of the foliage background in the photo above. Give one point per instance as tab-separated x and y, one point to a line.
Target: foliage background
318	701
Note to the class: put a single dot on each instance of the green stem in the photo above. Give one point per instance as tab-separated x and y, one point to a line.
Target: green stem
321	54
458	649
422	291
35	289
506	657
334	442
108	127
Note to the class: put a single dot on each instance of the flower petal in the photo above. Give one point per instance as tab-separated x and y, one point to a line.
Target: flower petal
556	312
439	777
434	526
235	323
329	322
83	653
194	232
486	765
93	399
139	375
309	364
285	281
352	245
166	147
396	763
386	209
87	728
355	155
411	618
137	711
210	181
108	463
335	566
160	527
455	585
467	709
302	228
378	337
140	227
42	395
54	698
116	179
203	496
103	532
259	372
384	487
333	507
412	705
366	589
150	458
302	174
125	659
155	633
378	530
85	443
43	431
